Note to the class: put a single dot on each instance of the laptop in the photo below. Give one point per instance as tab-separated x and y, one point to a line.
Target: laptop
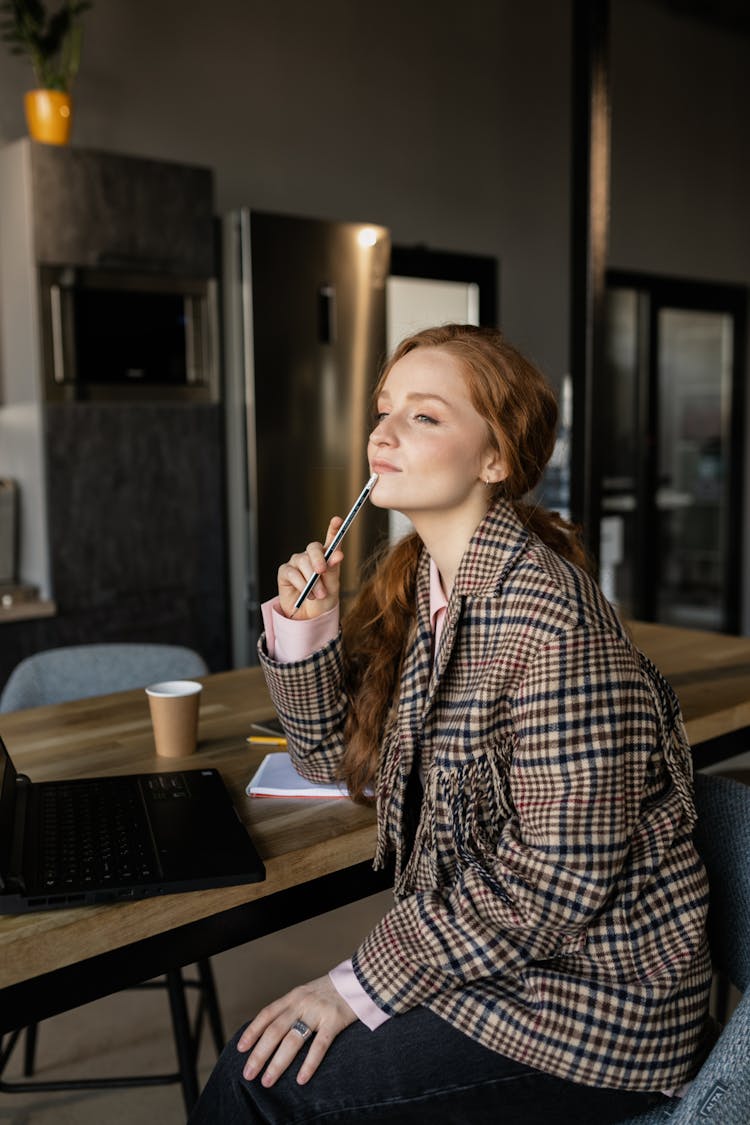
115	839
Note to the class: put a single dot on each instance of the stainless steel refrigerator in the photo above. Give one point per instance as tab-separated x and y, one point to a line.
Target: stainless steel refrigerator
304	308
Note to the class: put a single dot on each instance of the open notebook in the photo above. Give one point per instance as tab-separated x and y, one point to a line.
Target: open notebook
277	777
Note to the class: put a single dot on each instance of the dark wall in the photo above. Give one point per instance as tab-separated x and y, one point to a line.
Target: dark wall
137	530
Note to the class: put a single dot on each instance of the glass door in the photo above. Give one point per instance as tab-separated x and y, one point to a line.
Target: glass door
619	546
671	487
692	499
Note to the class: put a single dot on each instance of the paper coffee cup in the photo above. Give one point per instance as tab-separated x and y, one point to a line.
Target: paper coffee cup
174	716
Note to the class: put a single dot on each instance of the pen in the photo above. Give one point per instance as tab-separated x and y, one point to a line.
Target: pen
266	740
337	539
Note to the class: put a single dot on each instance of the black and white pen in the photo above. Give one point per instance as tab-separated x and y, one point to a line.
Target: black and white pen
336	540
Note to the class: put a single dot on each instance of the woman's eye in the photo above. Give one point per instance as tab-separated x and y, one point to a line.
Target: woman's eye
380	415
426	418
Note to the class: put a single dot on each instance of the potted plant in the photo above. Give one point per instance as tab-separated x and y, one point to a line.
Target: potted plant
52	43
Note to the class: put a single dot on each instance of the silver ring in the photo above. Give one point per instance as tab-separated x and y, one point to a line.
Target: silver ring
302	1029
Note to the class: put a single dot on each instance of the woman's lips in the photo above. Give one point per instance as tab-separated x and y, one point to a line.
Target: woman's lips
383	467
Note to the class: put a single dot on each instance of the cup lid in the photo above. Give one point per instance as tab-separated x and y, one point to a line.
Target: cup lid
174	688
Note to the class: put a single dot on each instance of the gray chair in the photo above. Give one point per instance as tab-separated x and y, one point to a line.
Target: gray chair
80	672
721	1090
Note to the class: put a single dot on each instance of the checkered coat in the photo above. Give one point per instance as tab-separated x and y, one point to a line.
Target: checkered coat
553	905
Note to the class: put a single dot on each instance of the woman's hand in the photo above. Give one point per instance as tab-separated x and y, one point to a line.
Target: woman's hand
271	1035
293	577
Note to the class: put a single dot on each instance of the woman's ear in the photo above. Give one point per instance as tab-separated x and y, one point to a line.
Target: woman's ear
494	468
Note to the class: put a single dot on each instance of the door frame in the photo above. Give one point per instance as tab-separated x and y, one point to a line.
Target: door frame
447	265
661	292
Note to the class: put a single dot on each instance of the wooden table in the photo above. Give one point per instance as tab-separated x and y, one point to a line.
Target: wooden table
710	673
317	853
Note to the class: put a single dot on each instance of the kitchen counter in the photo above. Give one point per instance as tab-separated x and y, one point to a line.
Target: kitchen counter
21	603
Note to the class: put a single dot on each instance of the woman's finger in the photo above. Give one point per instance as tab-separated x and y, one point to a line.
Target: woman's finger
286	1051
294	575
315	1055
301	567
285	1054
275	1040
256	1027
264	1047
333	526
317	560
296	572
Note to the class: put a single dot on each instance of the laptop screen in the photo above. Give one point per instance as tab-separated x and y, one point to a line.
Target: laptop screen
7	808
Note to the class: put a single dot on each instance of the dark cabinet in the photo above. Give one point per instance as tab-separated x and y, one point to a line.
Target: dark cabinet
101	209
122	503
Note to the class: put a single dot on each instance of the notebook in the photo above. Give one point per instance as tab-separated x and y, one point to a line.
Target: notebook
277	777
114	839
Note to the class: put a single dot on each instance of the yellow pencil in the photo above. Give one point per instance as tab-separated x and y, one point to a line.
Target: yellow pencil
267	740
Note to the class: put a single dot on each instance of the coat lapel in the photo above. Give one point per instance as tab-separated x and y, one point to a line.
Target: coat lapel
490	554
492	551
415	678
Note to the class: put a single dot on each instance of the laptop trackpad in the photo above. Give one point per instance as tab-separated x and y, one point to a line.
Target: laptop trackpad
196	830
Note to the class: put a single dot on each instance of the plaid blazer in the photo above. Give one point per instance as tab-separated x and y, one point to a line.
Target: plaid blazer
553	904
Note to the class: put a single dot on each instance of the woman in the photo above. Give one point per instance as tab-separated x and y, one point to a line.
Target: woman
545	959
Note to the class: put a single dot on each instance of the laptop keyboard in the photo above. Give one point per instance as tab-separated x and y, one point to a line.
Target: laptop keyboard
94	835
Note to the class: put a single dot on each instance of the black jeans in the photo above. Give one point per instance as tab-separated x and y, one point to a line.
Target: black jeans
414	1068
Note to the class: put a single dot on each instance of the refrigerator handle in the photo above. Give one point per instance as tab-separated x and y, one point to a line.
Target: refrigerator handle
327	314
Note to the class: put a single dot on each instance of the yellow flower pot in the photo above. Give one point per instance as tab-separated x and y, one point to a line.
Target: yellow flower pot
48	116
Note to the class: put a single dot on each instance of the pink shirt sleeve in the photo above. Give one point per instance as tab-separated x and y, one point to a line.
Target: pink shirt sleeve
288	640
344	980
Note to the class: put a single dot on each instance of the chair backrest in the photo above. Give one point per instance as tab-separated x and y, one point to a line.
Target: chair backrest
81	671
720	1092
723	839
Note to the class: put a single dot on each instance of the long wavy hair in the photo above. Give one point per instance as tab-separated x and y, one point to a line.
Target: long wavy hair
521	414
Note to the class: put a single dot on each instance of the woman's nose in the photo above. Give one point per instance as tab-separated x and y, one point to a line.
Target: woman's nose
383	432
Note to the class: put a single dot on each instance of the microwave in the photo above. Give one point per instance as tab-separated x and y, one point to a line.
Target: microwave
112	334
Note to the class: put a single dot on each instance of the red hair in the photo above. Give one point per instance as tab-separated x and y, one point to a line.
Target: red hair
520	410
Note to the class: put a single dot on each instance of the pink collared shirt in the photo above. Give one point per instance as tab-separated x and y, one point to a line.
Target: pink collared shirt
288	640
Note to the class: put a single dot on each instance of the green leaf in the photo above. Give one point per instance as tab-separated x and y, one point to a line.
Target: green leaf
52	42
